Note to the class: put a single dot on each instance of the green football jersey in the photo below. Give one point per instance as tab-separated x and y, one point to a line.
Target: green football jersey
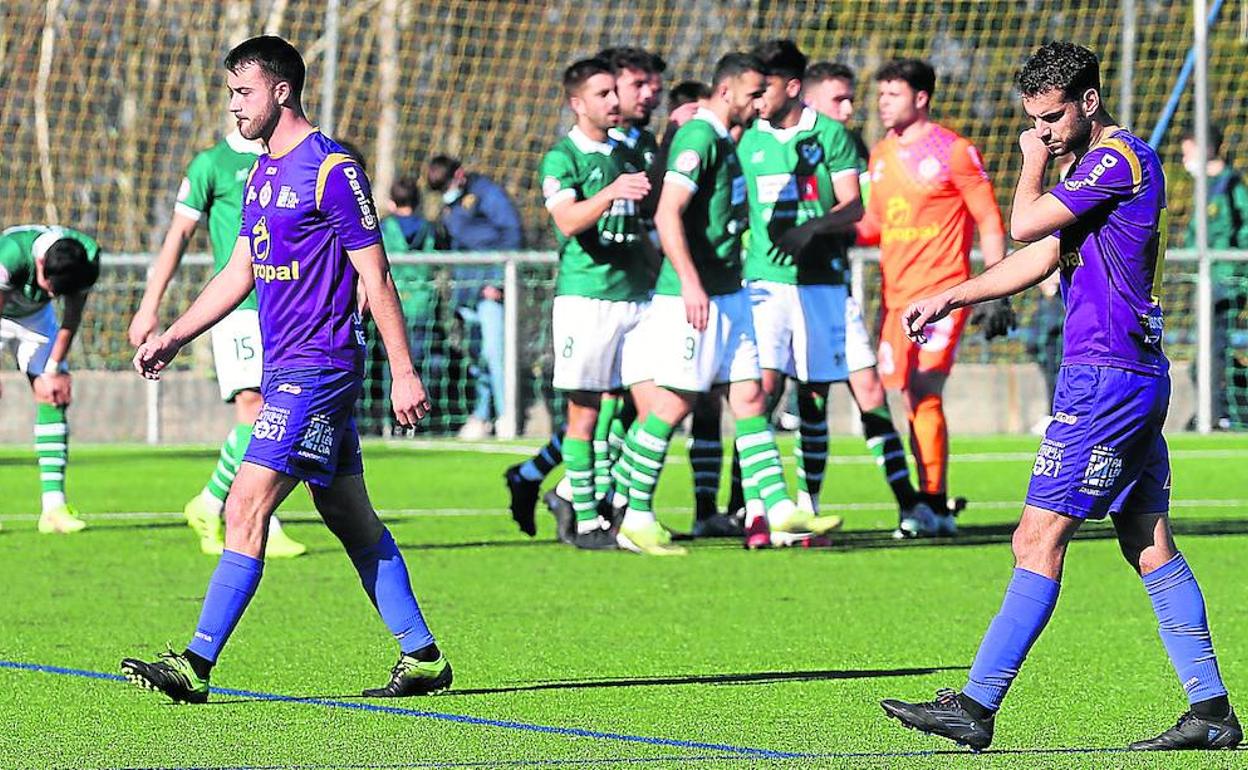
789	174
19	247
214	186
703	158
606	261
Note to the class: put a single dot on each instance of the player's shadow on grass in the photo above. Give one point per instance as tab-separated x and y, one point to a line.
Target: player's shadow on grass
992	534
752	678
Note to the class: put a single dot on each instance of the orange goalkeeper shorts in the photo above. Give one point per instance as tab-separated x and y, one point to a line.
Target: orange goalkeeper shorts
898	356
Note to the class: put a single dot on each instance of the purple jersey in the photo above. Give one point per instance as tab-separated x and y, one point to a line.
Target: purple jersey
1112	256
302	211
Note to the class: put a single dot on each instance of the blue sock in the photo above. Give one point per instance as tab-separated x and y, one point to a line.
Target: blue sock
1028	605
384	576
1180	610
232	585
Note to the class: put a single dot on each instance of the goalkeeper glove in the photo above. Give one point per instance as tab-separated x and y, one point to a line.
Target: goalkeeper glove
995	319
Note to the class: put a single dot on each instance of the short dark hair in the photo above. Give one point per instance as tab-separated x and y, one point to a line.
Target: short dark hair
581	71
1215	137
735	64
658	65
781	57
67	267
622	58
827	70
405	191
440	170
1067	67
278	59
916	73
687	91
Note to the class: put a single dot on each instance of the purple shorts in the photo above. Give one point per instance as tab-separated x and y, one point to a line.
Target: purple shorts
306	428
1104	452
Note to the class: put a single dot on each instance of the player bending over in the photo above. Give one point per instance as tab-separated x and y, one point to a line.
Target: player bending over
38	263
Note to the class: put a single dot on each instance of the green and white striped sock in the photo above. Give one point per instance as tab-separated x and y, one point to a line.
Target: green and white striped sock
646	450
52	449
578	465
760	464
602	446
228	461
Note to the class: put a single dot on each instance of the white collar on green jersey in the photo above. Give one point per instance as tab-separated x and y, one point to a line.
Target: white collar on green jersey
45	240
704	114
587	145
243	146
804	123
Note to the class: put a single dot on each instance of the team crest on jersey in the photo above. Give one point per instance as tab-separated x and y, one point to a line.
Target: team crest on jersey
929	168
266	194
271	171
811	152
241	175
595	175
287	198
759	156
688	161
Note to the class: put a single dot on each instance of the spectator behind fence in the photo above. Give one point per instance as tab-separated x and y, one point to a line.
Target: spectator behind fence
478	215
407	231
1227	214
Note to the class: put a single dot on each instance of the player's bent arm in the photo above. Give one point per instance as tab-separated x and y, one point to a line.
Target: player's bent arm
574	217
71	319
1039	219
222	294
1023	269
848	209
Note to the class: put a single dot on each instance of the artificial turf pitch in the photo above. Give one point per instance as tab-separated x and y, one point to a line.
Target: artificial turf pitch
720	659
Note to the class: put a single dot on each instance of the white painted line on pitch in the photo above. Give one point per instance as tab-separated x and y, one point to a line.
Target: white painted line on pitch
440	513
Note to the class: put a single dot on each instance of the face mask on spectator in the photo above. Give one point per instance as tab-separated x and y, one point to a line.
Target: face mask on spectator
451	195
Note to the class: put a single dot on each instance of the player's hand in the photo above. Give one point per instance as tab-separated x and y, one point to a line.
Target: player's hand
795	240
1033	146
142	327
55	388
630	187
683	114
409	400
154	355
920	314
697	305
995	319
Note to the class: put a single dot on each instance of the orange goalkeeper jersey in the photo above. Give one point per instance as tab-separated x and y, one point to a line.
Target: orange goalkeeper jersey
926	197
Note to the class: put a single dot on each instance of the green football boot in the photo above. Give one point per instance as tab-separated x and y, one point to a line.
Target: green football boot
207	525
651	539
61	520
415	677
171	674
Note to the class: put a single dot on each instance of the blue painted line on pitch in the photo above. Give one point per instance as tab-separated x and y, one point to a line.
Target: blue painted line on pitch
575	732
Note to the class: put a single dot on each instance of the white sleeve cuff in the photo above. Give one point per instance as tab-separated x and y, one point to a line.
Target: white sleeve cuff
682	180
187	211
844	173
563	195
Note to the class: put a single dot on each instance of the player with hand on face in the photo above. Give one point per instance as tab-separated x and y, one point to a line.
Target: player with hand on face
37	264
1104	229
309	234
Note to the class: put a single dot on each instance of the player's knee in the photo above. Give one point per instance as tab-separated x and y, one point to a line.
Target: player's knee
867	389
247	405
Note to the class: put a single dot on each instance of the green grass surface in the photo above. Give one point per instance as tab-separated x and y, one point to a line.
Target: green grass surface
785	651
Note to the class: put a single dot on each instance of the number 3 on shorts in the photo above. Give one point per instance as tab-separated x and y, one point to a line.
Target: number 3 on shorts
567	348
691	346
